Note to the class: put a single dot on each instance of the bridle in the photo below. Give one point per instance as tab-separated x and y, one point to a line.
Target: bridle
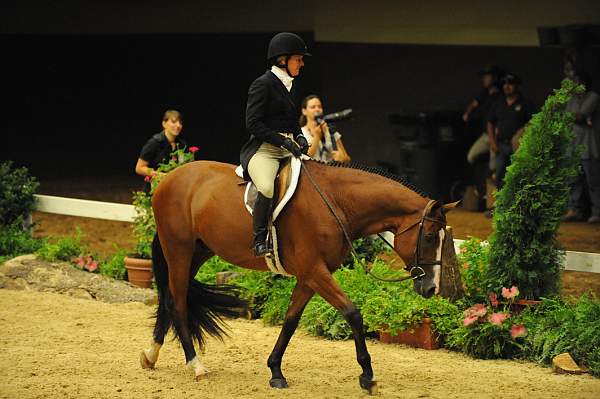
417	265
416	271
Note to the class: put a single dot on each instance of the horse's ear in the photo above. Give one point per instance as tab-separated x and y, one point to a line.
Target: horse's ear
448	207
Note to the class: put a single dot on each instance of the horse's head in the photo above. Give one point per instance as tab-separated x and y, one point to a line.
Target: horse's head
419	244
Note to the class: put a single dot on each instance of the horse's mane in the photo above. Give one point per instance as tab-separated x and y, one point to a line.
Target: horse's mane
374	170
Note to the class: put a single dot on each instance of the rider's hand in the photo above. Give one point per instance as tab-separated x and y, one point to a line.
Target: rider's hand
303	143
292	147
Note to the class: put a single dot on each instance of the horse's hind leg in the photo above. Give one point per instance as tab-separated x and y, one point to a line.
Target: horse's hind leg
324	284
298	301
164	321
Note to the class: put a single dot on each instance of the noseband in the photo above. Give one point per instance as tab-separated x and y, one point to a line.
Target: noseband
416	271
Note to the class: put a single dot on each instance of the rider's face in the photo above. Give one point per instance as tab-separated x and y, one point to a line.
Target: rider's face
295	63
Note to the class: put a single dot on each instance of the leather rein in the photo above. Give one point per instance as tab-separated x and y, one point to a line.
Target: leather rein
416	271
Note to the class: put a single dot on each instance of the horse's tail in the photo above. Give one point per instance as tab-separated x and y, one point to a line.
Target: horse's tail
161	276
207	304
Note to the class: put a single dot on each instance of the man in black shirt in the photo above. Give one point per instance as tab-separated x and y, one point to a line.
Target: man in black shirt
506	122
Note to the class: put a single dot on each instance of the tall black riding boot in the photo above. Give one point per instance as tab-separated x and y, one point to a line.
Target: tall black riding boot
260	219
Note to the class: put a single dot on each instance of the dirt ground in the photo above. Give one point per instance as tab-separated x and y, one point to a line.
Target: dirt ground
58	346
103	236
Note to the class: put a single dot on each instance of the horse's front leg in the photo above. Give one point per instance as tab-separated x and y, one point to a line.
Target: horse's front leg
324	284
300	297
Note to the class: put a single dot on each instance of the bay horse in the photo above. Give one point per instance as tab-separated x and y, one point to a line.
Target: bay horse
199	212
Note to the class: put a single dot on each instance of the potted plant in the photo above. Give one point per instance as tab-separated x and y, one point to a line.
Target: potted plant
139	264
402	316
490	330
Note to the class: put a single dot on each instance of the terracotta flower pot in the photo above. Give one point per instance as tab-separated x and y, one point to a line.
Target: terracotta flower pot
139	271
420	336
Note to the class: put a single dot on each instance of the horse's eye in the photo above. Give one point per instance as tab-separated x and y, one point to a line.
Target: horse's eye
429	237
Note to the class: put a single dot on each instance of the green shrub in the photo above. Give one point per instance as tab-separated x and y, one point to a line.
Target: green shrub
207	273
64	249
367	248
556	326
144	226
275	306
473	259
265	292
524	250
15	241
384	306
114	267
16	193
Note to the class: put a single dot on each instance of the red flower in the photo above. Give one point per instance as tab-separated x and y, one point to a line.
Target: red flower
518	330
469	320
498	318
193	149
493	299
510	293
148	178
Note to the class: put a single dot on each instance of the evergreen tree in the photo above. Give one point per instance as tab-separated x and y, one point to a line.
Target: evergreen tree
524	250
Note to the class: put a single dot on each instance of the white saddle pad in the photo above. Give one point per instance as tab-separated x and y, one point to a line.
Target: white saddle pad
274	263
296	166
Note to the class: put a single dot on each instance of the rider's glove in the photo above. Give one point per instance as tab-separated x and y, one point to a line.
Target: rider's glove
292	147
303	143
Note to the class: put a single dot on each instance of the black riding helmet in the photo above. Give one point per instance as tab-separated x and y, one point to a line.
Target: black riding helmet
288	44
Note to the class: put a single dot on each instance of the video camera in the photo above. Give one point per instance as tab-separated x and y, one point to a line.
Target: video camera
336	116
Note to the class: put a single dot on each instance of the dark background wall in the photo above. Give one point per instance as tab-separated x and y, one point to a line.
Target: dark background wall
86	104
84	84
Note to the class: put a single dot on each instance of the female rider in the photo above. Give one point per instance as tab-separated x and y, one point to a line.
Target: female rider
272	121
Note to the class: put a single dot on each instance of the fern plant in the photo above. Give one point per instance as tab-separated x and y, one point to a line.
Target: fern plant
524	250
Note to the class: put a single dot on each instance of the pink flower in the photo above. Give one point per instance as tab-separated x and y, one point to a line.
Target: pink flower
469	320
477	310
92	266
493	299
510	293
518	330
193	149
465	265
498	318
148	178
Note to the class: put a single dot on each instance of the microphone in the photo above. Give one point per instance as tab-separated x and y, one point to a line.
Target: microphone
336	116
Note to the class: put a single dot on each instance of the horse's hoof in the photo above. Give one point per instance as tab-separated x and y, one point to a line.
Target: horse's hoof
368	385
278	383
144	362
201	376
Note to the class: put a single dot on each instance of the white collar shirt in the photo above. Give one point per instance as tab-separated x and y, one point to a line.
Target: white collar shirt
282	75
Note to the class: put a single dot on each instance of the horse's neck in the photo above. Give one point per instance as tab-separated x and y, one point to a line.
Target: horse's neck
371	203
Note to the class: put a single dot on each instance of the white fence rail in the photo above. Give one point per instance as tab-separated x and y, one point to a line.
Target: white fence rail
575	261
85	208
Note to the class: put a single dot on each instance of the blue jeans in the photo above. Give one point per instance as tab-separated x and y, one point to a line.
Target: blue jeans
502	161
